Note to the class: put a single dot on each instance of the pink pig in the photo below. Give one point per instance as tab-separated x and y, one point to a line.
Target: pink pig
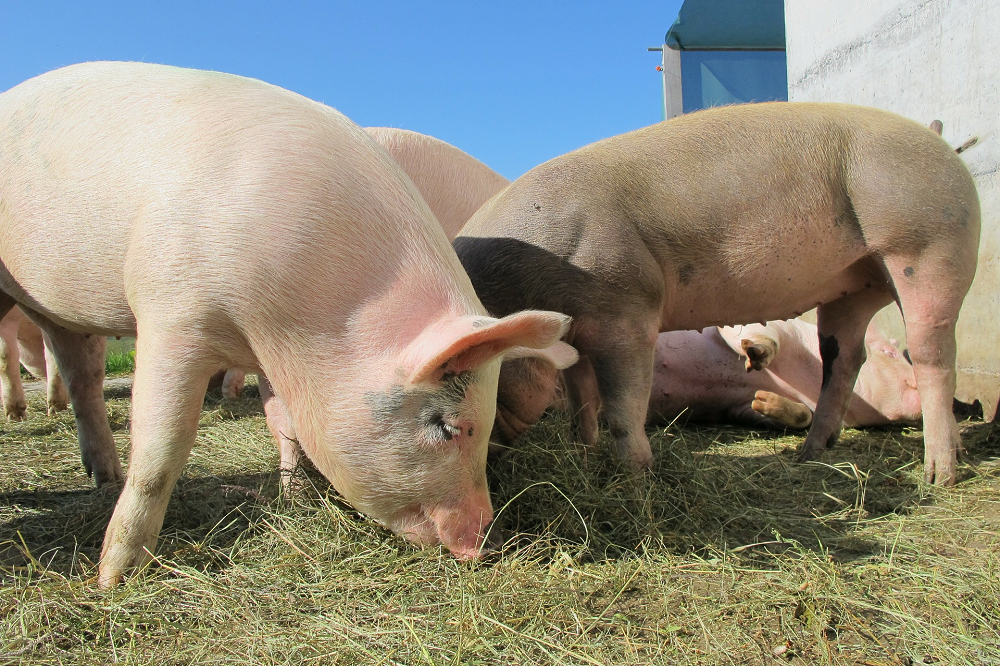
736	214
229	223
705	376
22	343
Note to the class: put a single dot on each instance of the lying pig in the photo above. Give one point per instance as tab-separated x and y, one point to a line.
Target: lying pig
727	216
706	376
22	343
254	228
453	183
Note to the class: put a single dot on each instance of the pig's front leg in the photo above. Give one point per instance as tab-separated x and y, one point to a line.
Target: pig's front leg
171	378
622	357
584	400
80	358
14	404
279	422
841	326
759	343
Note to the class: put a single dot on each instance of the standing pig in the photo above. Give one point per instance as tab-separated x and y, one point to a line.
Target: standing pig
453	183
733	215
22	343
704	376
229	223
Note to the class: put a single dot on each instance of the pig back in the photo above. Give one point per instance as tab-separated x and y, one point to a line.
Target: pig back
154	186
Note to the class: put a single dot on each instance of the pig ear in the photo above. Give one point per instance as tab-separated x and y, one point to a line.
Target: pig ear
465	343
560	355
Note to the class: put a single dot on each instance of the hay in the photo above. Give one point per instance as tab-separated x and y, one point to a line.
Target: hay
728	553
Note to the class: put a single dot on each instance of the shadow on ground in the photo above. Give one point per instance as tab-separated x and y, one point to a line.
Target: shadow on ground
712	489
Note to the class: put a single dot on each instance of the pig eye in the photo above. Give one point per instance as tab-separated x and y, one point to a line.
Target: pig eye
445	429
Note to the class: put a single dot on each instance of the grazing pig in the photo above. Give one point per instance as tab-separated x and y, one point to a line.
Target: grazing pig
229	223
22	343
732	215
706	377
453	183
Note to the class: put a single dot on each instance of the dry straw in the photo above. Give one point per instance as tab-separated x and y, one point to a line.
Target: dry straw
728	553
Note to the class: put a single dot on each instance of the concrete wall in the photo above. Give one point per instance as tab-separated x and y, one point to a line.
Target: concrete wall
924	59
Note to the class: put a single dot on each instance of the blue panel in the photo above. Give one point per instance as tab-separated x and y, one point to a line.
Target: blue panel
713	78
728	24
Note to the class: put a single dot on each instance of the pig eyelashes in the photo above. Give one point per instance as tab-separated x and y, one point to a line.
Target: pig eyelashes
442	405
443	429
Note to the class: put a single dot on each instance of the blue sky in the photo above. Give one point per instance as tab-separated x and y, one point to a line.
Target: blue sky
513	83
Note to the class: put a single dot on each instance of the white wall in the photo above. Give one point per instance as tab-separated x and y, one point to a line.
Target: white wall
924	59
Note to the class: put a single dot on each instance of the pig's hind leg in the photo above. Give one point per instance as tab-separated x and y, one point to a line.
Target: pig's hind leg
841	325
80	358
279	422
14	404
171	377
930	296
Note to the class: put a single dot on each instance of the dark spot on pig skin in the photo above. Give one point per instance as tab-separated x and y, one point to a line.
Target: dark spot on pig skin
829	350
685	273
908	271
537	207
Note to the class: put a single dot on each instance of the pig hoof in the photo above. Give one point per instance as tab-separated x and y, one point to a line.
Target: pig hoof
109	579
17	411
939	473
56	407
106	476
759	354
787	412
808	453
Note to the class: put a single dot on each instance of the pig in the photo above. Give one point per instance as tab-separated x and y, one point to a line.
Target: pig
733	215
226	222
453	183
22	343
771	376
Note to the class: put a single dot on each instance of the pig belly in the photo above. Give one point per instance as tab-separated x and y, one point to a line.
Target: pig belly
773	284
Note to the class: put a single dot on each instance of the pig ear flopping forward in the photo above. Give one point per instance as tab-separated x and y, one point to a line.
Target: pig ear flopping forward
463	343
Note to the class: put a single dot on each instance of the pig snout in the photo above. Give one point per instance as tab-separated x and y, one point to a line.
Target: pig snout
460	527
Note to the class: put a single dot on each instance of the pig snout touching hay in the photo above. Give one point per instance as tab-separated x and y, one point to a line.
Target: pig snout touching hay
229	223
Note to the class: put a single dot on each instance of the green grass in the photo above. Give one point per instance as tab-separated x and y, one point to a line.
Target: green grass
120	357
728	553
